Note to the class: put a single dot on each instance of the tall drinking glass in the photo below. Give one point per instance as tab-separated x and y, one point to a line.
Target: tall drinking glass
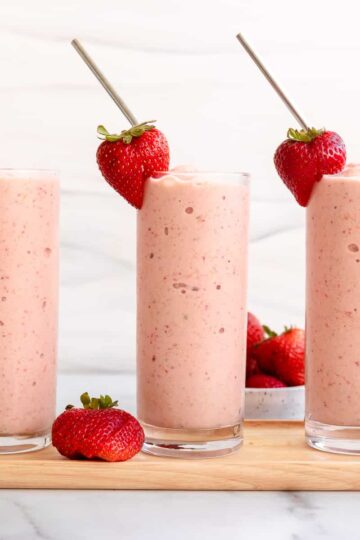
333	314
191	334
29	203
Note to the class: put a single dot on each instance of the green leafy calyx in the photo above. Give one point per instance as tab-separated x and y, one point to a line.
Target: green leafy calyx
102	402
268	332
127	135
304	135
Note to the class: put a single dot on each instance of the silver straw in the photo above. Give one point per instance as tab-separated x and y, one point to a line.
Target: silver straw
271	80
103	80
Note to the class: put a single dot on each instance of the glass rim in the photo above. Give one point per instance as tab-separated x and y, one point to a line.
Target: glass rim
28	174
351	171
289	389
204	176
205	171
28	169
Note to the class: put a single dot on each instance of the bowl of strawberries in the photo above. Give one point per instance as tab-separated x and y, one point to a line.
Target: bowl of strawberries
275	372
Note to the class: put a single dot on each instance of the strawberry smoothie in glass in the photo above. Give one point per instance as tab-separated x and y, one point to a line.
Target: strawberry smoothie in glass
29	203
191	334
333	313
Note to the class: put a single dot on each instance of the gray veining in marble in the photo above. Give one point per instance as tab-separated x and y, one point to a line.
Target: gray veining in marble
177	515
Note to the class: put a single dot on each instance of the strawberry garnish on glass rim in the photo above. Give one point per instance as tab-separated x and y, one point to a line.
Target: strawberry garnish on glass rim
126	160
305	156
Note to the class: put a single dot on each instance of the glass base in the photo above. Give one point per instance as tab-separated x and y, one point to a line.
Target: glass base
19	444
331	438
192	444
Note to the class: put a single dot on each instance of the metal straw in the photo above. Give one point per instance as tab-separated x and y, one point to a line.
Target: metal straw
271	80
103	80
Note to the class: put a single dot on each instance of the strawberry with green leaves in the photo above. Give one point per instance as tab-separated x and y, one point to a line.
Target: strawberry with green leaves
98	430
305	156
283	356
128	159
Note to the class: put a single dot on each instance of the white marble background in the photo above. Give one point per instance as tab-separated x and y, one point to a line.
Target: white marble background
177	61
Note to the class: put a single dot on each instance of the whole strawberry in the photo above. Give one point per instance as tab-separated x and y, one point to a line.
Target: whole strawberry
283	355
305	156
255	332
260	380
289	361
127	160
252	366
97	431
266	351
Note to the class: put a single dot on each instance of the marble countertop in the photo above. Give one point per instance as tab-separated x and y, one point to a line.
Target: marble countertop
143	515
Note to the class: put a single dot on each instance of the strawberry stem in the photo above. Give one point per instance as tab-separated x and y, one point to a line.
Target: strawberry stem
127	135
270	333
102	402
304	135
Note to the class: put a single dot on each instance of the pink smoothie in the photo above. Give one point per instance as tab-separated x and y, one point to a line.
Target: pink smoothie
28	300
192	274
333	300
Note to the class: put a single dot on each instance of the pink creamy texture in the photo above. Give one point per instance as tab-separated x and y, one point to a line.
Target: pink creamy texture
192	270
28	301
333	300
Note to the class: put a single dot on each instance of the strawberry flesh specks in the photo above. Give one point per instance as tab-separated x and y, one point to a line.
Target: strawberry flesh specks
303	158
127	160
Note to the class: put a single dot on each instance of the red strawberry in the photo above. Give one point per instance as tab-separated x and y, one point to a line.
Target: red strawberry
305	156
97	431
251	366
289	361
255	332
265	352
128	159
264	381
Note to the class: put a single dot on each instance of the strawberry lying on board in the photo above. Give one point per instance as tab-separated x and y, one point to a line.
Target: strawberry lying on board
98	430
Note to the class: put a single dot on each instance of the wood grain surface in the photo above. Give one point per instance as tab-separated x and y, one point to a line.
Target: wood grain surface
274	457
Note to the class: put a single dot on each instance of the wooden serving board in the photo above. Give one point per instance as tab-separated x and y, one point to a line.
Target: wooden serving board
274	457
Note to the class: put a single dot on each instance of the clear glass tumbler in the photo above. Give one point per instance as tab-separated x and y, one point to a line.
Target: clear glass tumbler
333	314
192	316
29	207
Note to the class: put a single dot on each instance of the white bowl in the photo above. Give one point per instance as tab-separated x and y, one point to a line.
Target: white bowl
275	403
